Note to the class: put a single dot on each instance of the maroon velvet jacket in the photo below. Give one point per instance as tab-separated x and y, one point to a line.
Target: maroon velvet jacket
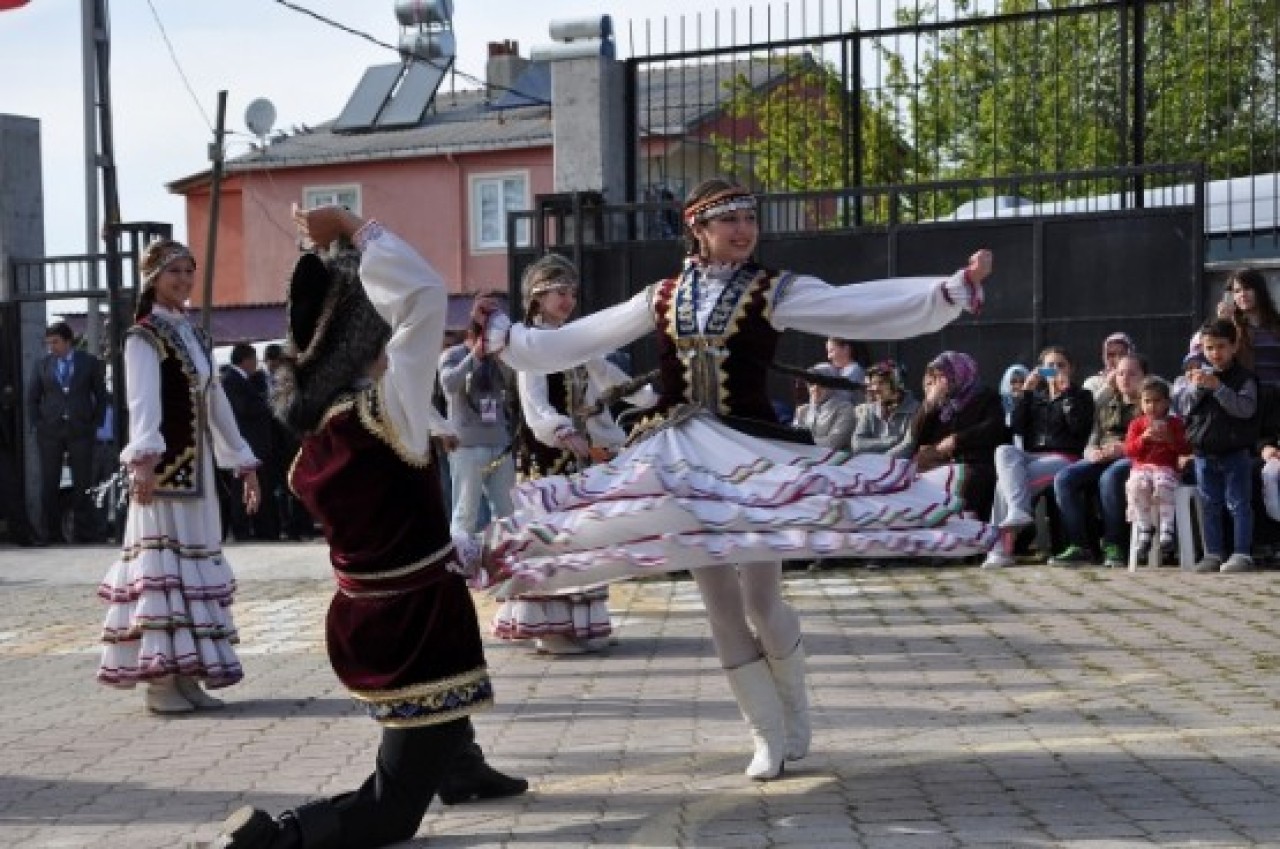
402	631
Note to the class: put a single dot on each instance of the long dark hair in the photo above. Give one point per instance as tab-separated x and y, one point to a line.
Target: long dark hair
1252	279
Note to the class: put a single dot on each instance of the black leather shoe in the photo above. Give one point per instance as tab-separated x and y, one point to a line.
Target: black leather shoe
478	784
253	828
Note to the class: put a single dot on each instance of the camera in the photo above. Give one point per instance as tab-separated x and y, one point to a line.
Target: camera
1207	369
1047	372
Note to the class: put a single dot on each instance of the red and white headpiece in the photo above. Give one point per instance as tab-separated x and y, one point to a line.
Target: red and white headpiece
721	203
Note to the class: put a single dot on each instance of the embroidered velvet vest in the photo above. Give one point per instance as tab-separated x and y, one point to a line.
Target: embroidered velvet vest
722	366
179	471
534	458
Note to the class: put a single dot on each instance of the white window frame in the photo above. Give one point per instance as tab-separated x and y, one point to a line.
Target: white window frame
523	233
313	196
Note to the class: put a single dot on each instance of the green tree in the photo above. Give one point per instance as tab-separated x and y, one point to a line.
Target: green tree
1045	93
796	132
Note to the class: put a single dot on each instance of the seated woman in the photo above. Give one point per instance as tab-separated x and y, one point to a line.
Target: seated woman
1104	470
883	423
827	415
958	428
1053	419
1114	347
1011	389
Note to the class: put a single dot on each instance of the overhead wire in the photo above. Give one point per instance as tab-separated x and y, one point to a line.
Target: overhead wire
177	64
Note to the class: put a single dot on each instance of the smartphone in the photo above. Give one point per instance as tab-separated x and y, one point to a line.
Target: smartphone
1207	369
1047	372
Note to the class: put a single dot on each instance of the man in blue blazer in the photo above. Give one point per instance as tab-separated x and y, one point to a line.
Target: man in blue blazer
66	403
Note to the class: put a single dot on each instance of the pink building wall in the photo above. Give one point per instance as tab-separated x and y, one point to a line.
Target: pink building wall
425	200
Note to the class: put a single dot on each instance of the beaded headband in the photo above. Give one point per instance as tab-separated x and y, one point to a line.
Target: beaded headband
170	255
557	282
722	203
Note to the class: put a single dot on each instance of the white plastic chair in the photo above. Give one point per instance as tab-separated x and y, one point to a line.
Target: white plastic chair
1188	525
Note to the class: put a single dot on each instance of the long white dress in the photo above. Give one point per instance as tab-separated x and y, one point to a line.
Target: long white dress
171	589
582	614
698	492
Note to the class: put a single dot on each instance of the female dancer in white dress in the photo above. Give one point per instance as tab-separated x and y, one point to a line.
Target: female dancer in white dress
169	623
710	489
560	432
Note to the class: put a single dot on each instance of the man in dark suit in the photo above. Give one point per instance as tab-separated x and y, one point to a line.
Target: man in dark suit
246	387
66	402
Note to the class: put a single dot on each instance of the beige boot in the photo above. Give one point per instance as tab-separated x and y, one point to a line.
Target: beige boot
190	689
788	675
757	696
163	697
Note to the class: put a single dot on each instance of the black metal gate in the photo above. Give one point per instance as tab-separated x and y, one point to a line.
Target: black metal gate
1063	276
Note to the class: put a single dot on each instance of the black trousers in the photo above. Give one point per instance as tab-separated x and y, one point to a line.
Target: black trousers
53	444
390	805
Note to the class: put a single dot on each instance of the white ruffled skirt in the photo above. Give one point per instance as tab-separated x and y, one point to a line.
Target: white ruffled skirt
580	615
698	493
169	597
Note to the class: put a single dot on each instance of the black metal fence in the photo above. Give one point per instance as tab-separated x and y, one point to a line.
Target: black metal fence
1064	276
822	95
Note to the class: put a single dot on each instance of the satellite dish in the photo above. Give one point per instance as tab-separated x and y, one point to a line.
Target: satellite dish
260	117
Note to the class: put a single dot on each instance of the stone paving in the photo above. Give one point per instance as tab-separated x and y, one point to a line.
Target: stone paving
953	707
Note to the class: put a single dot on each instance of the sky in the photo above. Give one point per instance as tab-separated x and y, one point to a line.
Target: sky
170	58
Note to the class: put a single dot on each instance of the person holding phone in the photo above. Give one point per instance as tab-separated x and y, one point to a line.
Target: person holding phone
1053	418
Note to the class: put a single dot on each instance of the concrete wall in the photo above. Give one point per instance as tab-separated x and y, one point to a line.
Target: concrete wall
22	236
587	108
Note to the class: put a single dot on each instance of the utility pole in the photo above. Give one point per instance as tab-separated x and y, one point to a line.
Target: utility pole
101	138
215	202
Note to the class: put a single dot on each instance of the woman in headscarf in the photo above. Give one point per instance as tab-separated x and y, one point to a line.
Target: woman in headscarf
711	486
169	624
958	428
1114	347
1011	387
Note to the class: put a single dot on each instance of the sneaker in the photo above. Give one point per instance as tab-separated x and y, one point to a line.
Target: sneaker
1017	518
1112	556
1238	563
1208	563
1168	548
1072	555
1142	551
997	559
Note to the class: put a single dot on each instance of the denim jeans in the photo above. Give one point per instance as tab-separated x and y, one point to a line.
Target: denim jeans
1071	489
1226	480
473	480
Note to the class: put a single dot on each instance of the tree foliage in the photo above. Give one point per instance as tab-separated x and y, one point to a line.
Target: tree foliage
1025	87
1045	93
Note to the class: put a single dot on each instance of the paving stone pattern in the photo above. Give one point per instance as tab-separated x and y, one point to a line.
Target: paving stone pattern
953	707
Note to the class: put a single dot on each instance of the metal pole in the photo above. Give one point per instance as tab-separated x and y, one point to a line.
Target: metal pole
92	229
111	216
215	199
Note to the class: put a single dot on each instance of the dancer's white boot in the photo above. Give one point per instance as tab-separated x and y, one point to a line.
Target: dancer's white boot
757	694
789	676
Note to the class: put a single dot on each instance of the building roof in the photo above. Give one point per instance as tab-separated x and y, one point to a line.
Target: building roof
230	324
671	100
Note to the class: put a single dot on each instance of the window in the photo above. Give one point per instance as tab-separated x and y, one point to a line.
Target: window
492	197
348	196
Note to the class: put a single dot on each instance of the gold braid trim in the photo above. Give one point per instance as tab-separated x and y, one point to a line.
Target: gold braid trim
431	703
370	410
